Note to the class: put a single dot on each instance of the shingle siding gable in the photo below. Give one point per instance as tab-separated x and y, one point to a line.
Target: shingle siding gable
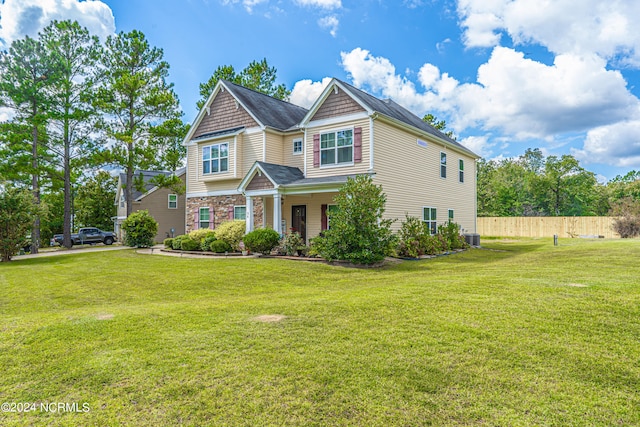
337	104
225	113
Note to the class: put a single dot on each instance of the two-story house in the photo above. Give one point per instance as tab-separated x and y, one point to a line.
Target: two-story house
165	205
274	164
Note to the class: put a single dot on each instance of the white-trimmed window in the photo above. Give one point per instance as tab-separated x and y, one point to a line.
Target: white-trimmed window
429	216
173	201
330	209
336	148
215	158
297	146
443	164
450	215
122	200
240	212
204	218
461	170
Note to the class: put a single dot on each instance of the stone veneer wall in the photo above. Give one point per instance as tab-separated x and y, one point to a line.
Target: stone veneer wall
219	205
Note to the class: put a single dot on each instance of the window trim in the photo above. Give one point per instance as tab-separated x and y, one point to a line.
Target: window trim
297	153
211	159
169	201
235	216
200	221
443	165
461	171
432	222
335	148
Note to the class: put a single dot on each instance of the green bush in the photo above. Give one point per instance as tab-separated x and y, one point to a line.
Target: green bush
291	243
358	233
177	242
168	243
140	228
413	237
201	234
220	246
205	244
231	232
262	240
189	244
451	233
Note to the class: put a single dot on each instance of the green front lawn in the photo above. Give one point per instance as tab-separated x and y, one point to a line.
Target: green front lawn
522	334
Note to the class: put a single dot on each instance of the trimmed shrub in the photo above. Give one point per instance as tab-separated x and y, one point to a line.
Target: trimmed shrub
140	228
177	242
201	234
451	233
231	232
168	243
413	236
262	240
205	244
220	247
189	244
358	232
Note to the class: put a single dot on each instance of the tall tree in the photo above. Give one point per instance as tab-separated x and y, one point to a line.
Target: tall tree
257	76
441	125
135	98
94	203
25	79
75	53
17	209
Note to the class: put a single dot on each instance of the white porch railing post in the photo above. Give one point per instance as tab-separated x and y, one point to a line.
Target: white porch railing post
249	214
277	213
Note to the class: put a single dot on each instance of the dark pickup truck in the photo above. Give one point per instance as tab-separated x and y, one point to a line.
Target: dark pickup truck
87	236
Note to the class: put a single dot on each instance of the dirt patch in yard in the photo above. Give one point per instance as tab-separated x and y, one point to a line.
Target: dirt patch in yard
269	318
104	316
577	285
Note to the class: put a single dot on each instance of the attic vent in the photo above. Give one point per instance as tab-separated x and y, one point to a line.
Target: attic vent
208	111
237	105
335	90
422	143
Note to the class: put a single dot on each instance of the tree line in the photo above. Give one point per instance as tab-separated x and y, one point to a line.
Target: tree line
535	185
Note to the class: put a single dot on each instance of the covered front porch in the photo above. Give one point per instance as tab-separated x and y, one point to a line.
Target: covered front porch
290	202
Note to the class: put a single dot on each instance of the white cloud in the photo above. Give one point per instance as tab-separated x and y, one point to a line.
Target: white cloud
481	145
324	4
514	95
19	18
306	92
330	23
617	144
248	4
563	26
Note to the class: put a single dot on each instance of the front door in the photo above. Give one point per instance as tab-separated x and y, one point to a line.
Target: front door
299	220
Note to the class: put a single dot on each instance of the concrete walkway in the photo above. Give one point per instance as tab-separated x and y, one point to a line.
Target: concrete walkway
73	250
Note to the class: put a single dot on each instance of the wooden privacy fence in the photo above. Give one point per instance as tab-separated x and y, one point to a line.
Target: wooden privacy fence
547	226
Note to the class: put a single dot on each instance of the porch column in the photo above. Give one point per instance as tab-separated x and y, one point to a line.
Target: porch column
249	214
277	213
264	212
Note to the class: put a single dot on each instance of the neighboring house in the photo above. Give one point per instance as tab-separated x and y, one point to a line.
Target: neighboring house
253	157
166	206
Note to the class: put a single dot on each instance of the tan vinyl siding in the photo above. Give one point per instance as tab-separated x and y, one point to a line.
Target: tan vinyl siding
296	161
356	168
157	203
251	152
337	104
410	177
225	113
274	148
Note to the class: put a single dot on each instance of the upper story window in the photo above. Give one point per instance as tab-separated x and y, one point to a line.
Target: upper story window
297	146
122	200
443	165
461	172
173	201
215	158
336	148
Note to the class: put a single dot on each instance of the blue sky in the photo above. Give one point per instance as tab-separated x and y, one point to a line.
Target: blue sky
506	75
